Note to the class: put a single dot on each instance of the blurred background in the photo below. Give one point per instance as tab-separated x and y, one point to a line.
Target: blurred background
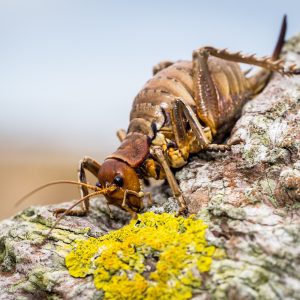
69	71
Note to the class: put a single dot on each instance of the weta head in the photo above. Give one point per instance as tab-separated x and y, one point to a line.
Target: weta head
127	193
118	180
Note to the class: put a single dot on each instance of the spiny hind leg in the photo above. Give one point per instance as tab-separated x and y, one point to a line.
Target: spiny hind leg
206	96
161	65
87	163
159	155
264	62
206	99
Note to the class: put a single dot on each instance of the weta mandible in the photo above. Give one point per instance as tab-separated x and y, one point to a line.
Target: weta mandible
186	107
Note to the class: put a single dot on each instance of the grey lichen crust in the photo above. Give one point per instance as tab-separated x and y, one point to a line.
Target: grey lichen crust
34	268
249	198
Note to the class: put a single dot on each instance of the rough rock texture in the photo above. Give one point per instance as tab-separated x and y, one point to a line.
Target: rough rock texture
249	198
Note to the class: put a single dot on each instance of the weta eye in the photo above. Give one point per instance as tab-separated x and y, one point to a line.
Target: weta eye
98	184
118	181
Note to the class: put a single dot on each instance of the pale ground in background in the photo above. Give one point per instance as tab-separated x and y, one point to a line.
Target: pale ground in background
22	171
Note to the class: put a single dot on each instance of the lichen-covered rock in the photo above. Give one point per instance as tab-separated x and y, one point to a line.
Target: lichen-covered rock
154	257
34	268
250	197
247	202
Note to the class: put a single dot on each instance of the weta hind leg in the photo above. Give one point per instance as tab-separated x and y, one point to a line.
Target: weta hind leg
264	62
206	98
87	163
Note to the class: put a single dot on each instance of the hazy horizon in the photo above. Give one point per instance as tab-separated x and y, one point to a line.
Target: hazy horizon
71	69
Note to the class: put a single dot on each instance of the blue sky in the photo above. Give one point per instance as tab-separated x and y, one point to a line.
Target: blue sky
69	70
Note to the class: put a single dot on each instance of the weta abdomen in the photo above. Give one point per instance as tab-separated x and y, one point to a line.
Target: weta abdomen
153	104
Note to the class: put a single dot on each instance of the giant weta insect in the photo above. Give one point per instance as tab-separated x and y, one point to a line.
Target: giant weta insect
181	110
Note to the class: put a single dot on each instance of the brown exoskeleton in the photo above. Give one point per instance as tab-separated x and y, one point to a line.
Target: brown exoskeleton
186	107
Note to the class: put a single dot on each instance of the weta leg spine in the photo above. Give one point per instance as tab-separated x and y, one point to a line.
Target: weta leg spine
265	62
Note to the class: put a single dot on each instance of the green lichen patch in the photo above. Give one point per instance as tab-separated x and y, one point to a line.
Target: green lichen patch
155	257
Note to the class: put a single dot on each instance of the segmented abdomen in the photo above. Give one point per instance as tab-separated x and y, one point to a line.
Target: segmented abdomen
152	105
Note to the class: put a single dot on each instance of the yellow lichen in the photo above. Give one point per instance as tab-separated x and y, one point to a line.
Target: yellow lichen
156	257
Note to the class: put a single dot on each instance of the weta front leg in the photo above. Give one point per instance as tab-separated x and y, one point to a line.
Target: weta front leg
127	208
179	112
158	153
87	163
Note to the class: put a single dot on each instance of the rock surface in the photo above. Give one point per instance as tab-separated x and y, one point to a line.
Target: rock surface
249	198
